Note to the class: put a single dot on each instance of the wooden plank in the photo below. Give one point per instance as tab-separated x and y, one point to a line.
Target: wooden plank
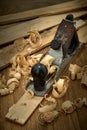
23	109
40	24
54	9
8	52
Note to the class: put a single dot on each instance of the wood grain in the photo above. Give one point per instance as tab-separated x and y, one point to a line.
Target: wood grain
40	24
23	109
54	9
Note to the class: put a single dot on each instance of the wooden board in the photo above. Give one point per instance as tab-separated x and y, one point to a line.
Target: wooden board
23	109
54	9
8	52
40	24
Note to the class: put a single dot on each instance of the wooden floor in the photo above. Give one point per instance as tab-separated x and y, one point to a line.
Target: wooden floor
75	121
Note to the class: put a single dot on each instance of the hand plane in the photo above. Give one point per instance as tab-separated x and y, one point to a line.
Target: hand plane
63	47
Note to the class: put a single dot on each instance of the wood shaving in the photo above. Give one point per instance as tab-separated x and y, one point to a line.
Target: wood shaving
47	108
78	102
67	106
12	87
60	87
11	80
17	75
47	60
50	99
34	39
52	69
74	69
31	61
4	91
21	66
48	117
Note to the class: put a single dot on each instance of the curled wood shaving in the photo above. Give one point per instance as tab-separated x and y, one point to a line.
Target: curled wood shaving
74	69
4	91
12	87
25	72
31	61
52	69
12	73
11	80
34	39
78	102
15	74
60	87
48	116
50	99
20	59
47	108
68	107
47	60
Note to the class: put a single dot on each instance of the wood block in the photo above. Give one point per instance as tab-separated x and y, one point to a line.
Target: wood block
22	110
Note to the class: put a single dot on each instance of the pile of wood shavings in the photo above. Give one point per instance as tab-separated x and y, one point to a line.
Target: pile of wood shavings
77	72
48	113
21	66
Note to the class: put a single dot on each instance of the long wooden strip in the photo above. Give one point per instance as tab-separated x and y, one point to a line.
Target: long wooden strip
55	9
40	24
